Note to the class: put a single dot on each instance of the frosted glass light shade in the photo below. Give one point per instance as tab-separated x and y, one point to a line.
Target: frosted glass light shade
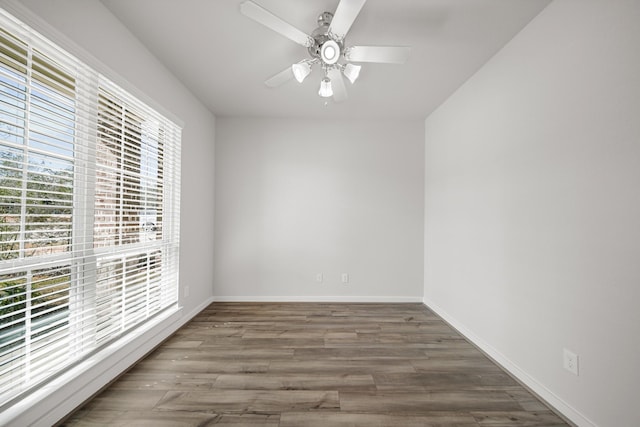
352	72
301	71
325	88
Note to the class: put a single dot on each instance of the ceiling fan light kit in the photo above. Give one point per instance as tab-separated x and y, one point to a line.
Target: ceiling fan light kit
326	47
351	72
301	70
326	91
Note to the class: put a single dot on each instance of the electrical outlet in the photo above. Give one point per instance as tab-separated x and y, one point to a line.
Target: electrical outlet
319	277
186	291
570	362
345	277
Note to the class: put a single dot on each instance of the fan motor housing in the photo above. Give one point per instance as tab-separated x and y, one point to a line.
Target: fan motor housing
321	35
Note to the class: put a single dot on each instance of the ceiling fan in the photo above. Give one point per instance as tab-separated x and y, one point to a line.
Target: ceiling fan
326	46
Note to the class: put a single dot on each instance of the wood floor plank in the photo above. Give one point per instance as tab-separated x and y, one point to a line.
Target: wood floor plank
205	366
359	353
420	403
346	382
342	419
204	354
126	400
316	364
249	401
464	365
446	380
164	381
341	367
240	344
519	418
146	419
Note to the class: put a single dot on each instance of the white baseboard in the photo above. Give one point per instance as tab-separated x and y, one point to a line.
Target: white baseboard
336	299
538	388
56	399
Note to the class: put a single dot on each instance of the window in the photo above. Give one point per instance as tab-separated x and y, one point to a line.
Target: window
89	210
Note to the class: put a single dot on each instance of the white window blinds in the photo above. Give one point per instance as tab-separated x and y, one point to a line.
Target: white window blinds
89	210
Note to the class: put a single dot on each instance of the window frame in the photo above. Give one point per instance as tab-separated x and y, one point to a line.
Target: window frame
83	258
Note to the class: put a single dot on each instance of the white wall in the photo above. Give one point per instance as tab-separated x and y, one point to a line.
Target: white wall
532	225
295	198
90	28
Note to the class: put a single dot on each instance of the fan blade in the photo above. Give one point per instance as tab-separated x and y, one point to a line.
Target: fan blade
346	13
337	84
281	78
268	19
386	54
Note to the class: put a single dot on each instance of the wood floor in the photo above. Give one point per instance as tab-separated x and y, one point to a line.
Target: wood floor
307	364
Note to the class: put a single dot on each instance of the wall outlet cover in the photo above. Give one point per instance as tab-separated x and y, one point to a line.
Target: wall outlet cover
570	361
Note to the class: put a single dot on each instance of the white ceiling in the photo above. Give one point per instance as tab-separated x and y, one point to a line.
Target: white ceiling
224	57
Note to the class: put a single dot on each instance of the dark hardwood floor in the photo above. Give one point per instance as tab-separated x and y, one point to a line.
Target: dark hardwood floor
315	364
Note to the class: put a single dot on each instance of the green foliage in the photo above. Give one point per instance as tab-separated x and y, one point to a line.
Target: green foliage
8	239
49	204
12	299
49	289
